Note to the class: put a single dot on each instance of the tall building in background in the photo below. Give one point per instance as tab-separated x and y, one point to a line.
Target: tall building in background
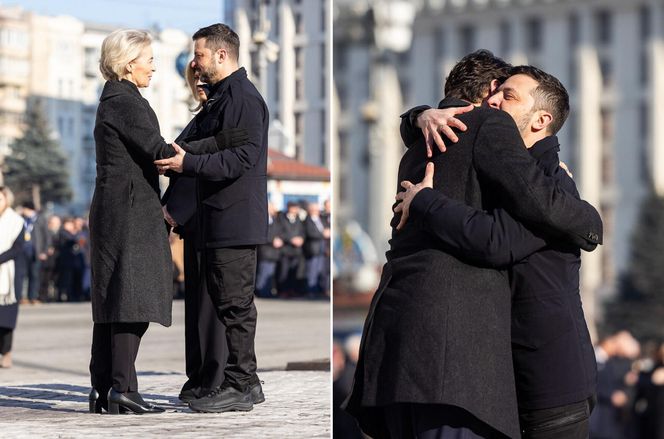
285	45
609	55
56	60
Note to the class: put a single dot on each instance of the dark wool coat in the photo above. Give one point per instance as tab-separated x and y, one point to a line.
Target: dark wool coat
438	330
131	261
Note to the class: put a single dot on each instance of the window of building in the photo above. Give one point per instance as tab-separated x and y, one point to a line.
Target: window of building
644	74
466	40
644	128
644	22
534	31
299	23
299	59
606	68
603	27
574	30
299	89
438	43
505	37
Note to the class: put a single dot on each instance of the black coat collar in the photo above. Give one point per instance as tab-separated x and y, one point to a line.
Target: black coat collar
544	146
449	102
116	88
218	89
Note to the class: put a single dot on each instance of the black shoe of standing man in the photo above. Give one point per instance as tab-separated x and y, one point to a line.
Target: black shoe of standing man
224	399
256	389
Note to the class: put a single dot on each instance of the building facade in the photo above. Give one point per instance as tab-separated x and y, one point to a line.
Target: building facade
285	48
608	53
56	60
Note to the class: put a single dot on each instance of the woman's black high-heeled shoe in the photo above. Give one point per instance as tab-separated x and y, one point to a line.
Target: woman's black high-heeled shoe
131	401
93	397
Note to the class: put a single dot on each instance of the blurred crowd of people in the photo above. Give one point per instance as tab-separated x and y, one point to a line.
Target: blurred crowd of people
55	262
630	388
296	261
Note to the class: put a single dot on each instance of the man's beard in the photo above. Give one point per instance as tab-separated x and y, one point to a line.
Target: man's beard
207	75
523	122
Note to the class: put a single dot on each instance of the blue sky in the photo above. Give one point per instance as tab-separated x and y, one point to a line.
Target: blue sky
187	15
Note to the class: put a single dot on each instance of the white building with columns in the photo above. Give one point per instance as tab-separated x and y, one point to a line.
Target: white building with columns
55	59
295	60
608	53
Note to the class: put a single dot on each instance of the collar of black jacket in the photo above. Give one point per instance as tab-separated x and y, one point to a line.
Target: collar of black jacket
449	102
543	146
115	88
220	87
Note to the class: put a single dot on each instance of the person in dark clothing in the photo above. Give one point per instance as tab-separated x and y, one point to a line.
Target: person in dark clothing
11	251
554	362
268	256
206	350
615	355
649	399
458	378
291	262
315	236
49	273
36	245
69	267
129	251
232	204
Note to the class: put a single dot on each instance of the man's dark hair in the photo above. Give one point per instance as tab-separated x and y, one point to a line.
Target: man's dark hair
219	36
470	79
550	95
28	205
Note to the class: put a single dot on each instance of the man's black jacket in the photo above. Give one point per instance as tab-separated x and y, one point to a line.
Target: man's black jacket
554	361
438	330
232	183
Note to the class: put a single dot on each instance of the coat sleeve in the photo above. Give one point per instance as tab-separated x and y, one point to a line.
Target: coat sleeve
15	250
494	238
529	195
410	133
233	162
128	117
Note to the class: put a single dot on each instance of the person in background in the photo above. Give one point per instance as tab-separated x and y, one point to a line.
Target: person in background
268	255
326	217
83	241
291	264
11	250
649	398
316	233
48	272
615	355
36	248
68	263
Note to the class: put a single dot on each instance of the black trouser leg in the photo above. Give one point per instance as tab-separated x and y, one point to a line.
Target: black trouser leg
100	361
231	275
566	422
205	335
125	340
6	338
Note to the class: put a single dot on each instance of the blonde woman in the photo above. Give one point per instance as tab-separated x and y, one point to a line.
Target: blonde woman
11	252
130	254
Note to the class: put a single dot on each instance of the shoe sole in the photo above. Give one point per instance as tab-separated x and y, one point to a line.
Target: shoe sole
236	407
259	399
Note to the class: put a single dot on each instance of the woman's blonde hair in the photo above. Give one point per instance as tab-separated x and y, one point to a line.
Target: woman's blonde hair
191	82
9	195
120	48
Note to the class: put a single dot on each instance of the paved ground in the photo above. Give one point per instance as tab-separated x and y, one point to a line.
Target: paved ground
45	393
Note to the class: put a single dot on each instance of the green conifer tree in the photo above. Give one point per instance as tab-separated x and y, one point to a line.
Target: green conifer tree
36	169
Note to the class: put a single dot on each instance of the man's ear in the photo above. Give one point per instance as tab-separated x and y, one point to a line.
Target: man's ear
222	55
494	86
543	120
